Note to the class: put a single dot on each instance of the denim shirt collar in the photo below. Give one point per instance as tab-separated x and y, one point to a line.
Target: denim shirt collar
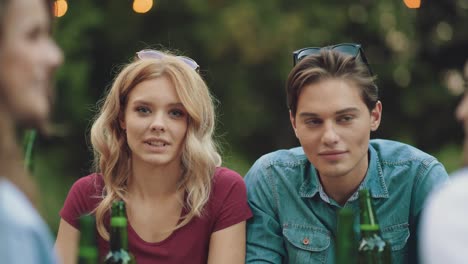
374	181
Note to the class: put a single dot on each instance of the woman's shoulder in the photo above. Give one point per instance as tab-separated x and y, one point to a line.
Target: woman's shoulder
90	184
25	236
226	180
83	197
18	214
226	175
228	199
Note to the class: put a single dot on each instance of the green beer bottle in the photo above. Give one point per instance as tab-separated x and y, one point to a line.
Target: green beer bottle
119	253
346	246
373	249
29	138
88	252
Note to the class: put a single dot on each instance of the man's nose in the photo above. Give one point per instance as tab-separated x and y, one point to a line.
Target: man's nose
330	135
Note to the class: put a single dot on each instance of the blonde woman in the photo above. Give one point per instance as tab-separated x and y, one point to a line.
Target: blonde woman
28	59
154	149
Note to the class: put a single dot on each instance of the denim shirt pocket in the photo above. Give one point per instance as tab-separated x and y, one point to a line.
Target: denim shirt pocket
306	244
397	236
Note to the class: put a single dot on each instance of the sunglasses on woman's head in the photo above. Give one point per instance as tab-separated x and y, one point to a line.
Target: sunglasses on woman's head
154	54
352	49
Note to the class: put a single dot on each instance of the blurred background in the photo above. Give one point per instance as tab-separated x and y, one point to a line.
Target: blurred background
245	50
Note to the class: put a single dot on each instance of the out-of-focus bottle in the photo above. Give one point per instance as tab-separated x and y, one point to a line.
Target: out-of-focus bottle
346	243
87	251
119	253
373	249
29	138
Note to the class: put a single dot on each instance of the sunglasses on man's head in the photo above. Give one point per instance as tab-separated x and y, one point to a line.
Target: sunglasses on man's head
154	54
352	49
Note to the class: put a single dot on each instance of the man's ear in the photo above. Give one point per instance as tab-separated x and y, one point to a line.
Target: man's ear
376	116
293	122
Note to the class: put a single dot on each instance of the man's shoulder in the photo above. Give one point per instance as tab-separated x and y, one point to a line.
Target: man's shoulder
395	152
273	164
283	157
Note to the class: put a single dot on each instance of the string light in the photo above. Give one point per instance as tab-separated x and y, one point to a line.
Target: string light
412	3
142	6
60	8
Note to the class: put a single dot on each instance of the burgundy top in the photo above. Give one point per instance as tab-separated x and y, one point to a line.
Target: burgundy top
227	206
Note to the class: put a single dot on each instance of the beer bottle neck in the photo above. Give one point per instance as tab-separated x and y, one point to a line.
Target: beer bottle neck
118	235
368	218
346	240
345	224
368	230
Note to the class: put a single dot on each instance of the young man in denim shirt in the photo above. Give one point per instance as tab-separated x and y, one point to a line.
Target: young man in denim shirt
295	194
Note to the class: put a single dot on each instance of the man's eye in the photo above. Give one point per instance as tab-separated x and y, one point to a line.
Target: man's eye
346	118
313	121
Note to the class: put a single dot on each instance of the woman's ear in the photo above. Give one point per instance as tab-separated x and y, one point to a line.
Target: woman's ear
376	116
122	123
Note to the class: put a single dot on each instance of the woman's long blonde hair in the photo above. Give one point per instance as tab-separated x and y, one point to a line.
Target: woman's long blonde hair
112	155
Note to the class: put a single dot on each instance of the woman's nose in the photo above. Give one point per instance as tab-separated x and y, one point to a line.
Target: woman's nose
158	123
54	54
461	112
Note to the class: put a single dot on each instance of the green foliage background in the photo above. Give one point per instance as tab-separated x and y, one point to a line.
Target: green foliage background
245	50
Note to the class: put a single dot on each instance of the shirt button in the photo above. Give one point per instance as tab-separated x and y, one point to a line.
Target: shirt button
305	241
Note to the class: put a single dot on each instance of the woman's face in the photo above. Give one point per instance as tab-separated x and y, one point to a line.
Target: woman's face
156	122
28	59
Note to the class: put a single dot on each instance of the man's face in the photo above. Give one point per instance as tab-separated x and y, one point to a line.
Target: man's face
462	115
333	126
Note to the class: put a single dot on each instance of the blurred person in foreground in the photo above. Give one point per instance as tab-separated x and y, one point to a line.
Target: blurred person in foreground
28	59
444	226
154	149
295	194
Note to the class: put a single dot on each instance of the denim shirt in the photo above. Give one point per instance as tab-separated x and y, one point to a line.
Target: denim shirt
295	220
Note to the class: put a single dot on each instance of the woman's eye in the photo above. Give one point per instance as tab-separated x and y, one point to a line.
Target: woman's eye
34	34
177	113
143	110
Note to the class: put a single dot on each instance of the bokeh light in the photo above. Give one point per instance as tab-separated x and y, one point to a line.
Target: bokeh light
387	20
142	6
463	4
402	76
397	41
444	31
413	3
60	8
454	81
